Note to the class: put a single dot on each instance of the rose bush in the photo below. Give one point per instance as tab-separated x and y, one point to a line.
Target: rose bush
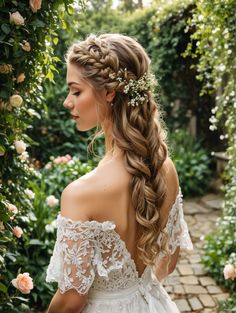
28	35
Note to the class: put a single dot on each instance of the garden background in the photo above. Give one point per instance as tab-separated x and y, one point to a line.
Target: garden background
192	45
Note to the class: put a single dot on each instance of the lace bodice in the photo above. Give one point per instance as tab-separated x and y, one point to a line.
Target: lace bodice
91	255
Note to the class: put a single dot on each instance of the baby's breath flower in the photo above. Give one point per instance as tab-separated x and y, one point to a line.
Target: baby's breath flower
136	89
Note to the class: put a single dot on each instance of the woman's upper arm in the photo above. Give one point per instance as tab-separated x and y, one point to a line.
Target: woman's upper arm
75	242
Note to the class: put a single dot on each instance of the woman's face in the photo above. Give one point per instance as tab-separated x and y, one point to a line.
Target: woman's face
82	101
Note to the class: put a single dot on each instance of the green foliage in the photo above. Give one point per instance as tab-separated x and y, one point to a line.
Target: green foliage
26	59
215	40
191	161
51	180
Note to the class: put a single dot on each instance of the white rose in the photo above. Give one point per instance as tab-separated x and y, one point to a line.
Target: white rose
52	201
29	193
17	18
16	101
24	156
20	146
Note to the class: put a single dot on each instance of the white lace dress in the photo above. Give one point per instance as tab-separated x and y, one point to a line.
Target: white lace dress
91	258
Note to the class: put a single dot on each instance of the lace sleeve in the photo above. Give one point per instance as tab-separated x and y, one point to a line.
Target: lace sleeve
71	264
177	228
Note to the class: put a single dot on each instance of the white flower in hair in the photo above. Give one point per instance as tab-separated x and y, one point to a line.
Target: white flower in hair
136	89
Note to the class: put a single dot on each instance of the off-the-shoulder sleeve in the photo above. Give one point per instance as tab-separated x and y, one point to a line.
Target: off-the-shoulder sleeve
176	227
72	262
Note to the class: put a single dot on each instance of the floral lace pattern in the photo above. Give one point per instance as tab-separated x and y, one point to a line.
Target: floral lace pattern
92	255
176	227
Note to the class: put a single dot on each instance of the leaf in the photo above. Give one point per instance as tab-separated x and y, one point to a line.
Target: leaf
3	288
35	242
6	29
38	23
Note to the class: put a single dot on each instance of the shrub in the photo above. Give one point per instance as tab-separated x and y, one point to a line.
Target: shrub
38	247
192	163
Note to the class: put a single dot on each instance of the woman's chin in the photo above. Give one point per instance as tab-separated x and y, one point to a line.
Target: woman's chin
83	128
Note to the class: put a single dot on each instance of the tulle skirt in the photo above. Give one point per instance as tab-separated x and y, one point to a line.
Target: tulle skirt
146	296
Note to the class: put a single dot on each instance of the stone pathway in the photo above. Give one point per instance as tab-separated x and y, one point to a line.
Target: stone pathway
189	285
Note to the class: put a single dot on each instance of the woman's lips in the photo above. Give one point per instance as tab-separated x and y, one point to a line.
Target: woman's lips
74	117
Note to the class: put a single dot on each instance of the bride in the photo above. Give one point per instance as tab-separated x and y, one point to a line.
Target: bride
121	226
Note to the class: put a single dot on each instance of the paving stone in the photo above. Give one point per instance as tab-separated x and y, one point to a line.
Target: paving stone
185	269
195	303
214	289
179	290
172	280
207	301
169	289
198	269
194	208
209	311
189	280
183	305
193	289
206	281
221	296
194	259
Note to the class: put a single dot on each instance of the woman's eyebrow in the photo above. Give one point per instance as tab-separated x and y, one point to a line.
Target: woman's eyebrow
72	83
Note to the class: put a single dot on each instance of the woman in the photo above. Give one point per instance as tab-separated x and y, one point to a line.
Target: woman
121	225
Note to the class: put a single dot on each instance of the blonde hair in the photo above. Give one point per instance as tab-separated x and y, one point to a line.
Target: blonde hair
138	131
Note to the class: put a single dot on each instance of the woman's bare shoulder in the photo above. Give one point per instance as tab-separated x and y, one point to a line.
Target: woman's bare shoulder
90	193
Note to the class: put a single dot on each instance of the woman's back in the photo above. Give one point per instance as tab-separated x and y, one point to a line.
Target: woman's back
128	211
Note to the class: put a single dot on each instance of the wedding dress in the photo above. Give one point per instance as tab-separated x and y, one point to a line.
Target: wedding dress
90	257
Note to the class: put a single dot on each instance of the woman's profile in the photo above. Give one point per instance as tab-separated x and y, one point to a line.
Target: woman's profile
121	226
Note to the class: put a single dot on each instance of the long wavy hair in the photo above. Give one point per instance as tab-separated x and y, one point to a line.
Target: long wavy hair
138	131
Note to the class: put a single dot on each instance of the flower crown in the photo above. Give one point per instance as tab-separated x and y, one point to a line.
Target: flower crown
135	89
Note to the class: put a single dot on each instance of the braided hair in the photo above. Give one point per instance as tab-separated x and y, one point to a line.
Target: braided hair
138	131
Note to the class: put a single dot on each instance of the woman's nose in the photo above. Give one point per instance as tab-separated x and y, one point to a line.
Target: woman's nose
68	103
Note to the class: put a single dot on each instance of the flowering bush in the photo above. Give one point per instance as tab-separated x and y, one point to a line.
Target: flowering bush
47	188
28	32
215	41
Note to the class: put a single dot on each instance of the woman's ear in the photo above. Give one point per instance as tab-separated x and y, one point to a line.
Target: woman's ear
110	95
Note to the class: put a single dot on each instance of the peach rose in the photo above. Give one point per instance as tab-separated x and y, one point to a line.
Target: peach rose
17	231
35	5
20	78
12	208
26	46
16	101
23	282
20	146
16	18
229	271
52	201
29	193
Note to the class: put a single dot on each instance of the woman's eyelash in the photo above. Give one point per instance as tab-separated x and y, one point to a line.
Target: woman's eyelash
76	93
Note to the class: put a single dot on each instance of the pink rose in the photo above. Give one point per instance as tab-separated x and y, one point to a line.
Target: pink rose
35	5
29	193
23	282
12	208
229	271
52	201
26	46
20	146
16	18
20	78
17	231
